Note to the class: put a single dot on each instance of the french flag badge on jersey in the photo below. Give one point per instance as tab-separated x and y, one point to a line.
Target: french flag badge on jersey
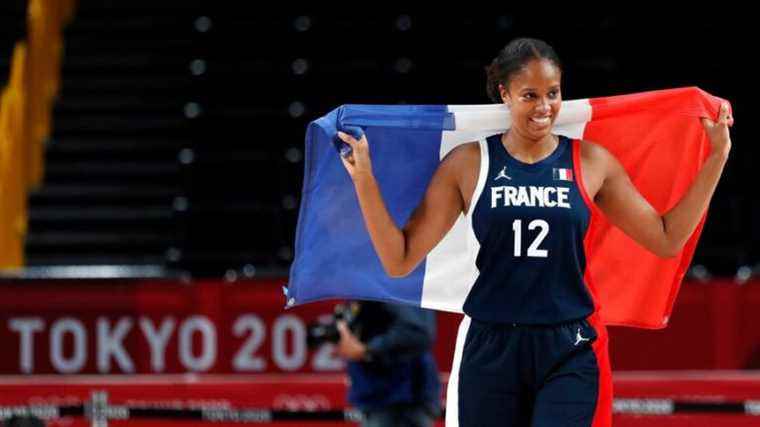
562	174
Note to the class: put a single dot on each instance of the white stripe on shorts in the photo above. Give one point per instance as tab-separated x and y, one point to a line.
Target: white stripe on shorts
452	391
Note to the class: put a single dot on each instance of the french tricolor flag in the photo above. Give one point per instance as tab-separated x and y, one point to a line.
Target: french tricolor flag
562	174
648	132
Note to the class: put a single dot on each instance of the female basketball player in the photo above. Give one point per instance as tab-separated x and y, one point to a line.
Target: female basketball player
531	349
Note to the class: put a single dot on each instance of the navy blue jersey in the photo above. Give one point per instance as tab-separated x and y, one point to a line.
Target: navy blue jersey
530	220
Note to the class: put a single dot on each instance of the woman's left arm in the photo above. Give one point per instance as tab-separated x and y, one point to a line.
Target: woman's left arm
665	234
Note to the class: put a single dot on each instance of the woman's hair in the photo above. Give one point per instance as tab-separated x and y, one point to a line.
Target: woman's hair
512	59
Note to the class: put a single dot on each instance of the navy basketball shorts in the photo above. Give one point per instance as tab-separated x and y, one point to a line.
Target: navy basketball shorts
530	375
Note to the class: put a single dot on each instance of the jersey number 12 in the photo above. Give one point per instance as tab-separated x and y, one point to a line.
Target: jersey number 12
533	250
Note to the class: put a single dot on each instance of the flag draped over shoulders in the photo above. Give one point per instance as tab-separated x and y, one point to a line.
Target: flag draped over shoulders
657	137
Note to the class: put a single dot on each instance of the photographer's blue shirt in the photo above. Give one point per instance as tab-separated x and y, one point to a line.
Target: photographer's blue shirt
402	367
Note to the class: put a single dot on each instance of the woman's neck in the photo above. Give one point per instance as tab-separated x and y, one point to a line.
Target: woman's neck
527	150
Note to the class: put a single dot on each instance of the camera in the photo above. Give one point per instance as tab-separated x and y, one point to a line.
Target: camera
325	328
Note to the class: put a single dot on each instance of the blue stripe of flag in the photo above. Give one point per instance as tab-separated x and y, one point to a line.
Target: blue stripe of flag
334	255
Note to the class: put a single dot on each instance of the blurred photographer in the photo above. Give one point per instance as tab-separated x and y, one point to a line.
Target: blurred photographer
394	377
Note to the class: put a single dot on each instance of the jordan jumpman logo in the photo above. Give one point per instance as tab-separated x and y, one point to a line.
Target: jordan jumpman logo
579	339
502	174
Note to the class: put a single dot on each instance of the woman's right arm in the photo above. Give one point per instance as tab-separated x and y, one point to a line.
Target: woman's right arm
401	250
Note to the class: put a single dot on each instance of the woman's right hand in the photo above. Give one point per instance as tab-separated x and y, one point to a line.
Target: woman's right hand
357	162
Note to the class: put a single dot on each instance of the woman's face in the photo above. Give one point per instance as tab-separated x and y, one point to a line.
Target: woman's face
534	98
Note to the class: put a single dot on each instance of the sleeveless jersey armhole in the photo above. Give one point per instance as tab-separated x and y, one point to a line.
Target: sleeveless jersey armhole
579	176
482	176
596	213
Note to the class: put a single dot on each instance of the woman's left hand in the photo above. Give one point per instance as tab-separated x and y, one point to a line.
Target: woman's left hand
718	131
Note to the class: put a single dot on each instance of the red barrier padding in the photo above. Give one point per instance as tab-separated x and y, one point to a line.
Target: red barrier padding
312	392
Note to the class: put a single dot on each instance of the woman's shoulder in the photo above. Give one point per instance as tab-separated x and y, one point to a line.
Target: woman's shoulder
466	149
591	148
595	156
463	157
462	154
595	153
460	161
